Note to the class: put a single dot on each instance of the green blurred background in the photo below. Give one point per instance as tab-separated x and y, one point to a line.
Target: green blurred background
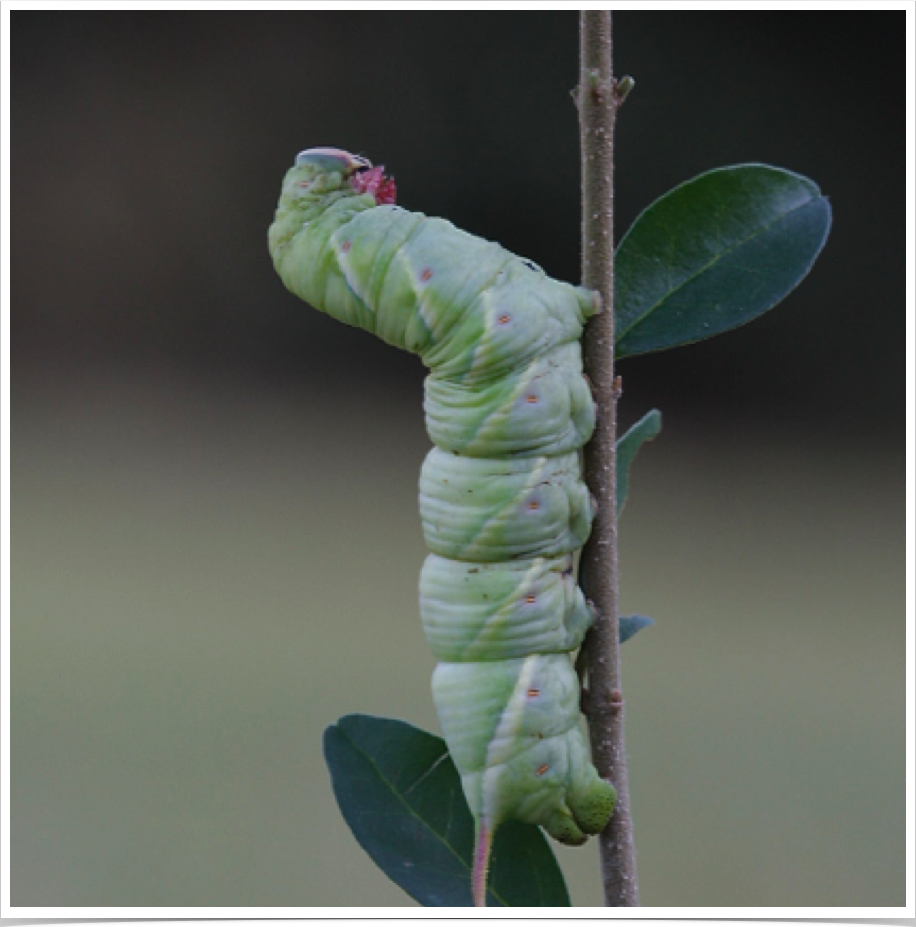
217	542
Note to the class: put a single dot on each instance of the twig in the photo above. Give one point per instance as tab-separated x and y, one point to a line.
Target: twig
598	98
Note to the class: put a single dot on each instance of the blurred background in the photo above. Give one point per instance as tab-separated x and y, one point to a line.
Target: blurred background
217	541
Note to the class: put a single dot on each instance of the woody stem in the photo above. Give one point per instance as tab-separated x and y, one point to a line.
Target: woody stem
598	100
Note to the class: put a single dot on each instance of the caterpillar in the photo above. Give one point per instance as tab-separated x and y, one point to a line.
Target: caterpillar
504	508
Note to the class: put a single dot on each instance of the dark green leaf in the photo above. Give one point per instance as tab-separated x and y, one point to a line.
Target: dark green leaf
630	624
715	253
399	791
645	429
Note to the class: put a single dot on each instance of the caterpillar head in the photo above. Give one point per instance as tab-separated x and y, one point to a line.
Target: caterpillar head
330	169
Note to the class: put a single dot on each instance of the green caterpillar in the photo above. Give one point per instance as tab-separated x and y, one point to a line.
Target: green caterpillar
504	508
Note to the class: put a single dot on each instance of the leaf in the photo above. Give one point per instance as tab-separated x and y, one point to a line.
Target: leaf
631	624
645	429
714	253
401	795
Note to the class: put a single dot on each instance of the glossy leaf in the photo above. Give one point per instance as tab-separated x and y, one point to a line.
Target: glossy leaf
400	793
644	430
715	253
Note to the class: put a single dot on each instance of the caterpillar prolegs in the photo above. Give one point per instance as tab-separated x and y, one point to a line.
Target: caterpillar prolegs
504	508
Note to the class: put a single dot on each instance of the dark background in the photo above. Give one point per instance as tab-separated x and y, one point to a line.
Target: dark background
215	486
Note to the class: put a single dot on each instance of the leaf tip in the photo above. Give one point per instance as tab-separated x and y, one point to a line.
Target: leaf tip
630	625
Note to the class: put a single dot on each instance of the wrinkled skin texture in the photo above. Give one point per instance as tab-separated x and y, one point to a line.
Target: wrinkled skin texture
505	511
